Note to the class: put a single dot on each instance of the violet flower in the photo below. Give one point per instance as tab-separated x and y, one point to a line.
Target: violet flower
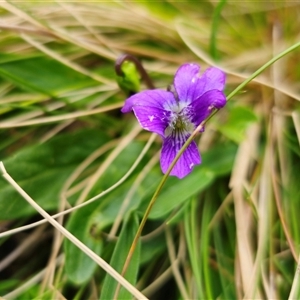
175	114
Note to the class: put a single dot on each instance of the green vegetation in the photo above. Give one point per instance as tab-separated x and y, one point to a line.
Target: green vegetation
229	230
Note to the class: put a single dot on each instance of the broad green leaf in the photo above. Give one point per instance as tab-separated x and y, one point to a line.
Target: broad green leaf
42	169
80	267
238	120
178	191
219	159
120	253
42	74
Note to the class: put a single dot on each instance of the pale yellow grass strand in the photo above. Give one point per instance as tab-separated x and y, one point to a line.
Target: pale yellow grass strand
102	263
50	269
24	29
278	70
278	201
295	291
175	270
118	183
82	166
54	131
73	97
57	32
263	230
22	14
63	117
243	213
66	61
296	120
67	123
221	210
159	282
64	35
164	277
108	53
109	160
25	244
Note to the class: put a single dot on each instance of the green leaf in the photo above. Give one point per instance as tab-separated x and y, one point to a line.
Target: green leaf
238	120
79	267
42	169
42	74
178	191
120	253
220	158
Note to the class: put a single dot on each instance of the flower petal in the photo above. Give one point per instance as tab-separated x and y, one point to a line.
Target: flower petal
153	98
213	79
186	82
202	107
189	158
152	118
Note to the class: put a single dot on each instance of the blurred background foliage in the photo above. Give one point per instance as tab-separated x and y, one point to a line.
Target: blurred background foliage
230	230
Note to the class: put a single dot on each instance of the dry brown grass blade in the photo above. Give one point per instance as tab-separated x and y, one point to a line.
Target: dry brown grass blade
296	119
243	212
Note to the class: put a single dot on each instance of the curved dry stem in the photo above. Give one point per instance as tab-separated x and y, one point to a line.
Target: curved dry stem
102	263
175	269
112	156
64	117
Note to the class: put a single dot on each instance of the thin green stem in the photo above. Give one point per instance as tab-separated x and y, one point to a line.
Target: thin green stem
261	69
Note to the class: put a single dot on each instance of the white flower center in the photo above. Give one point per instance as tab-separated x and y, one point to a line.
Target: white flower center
180	120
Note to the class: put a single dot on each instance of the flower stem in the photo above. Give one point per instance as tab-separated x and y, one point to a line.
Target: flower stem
261	69
189	140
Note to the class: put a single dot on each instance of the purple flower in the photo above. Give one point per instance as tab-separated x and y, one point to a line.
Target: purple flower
175	114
